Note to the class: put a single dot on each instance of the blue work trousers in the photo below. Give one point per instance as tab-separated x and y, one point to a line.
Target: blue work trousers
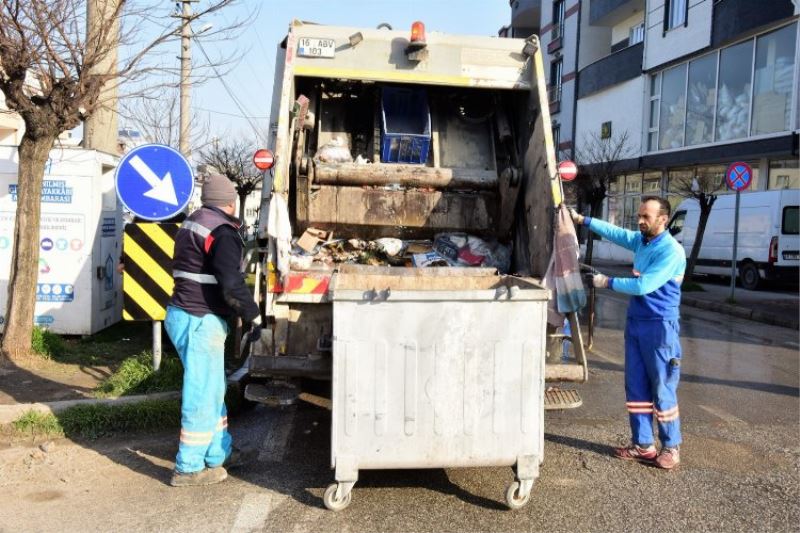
652	372
200	341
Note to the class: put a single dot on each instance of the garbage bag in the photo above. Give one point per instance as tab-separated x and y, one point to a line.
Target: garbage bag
334	151
564	272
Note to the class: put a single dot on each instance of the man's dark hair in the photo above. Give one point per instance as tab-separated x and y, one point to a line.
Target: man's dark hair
664	207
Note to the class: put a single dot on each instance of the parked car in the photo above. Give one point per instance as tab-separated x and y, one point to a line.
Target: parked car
768	245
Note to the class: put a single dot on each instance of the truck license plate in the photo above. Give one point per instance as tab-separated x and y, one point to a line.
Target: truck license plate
791	255
314	47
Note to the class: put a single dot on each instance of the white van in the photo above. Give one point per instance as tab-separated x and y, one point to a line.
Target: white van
768	246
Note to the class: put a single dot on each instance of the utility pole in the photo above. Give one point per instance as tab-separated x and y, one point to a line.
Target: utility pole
186	72
100	129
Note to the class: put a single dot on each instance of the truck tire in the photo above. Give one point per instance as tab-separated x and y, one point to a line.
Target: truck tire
749	276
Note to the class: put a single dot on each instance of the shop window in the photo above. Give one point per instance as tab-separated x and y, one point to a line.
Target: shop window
701	97
712	177
774	79
733	103
784	174
651	186
673	108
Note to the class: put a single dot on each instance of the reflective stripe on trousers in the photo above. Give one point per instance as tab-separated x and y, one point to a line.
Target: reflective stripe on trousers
200	341
651	379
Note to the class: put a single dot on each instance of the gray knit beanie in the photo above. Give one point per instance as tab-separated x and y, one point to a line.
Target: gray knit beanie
218	191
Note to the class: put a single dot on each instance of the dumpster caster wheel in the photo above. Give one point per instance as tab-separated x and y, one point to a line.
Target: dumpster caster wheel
330	499
514	499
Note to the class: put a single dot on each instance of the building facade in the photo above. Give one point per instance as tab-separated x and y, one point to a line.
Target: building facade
692	85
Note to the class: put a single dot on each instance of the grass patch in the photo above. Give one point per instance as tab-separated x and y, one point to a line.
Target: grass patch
94	421
37	423
47	344
691	286
136	376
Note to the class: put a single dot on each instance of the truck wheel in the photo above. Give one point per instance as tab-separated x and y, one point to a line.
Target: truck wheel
749	276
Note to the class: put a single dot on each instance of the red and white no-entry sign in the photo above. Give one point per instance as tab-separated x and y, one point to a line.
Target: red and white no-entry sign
263	159
567	170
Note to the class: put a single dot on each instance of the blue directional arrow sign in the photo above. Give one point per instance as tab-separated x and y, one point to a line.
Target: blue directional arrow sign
154	182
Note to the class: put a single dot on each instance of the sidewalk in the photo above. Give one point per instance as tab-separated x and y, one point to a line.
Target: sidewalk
778	306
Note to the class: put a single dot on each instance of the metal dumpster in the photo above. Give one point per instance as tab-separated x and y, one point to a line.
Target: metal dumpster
435	368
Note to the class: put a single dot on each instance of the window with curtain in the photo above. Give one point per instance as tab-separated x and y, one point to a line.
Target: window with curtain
636	34
675	14
701	98
558	19
655	98
555	80
733	102
774	78
673	108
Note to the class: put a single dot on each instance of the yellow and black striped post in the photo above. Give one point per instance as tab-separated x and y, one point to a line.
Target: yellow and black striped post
147	251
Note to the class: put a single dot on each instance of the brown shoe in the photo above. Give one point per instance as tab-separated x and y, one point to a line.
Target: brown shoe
207	476
668	459
636	453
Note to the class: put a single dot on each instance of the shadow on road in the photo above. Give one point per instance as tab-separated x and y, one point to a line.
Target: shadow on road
773	388
580	444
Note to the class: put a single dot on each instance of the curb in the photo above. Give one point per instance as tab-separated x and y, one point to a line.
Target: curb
9	413
742	312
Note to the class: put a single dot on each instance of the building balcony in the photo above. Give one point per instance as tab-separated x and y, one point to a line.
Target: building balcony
611	70
525	13
612	12
735	18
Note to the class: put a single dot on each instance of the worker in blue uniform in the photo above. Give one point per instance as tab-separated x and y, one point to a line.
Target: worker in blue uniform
209	288
652	344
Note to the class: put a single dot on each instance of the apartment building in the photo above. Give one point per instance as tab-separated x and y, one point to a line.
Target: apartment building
694	85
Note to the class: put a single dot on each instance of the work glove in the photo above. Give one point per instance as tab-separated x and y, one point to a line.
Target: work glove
600	281
577	218
255	330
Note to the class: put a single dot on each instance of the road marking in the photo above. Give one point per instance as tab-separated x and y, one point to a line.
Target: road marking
254	511
722	415
605	356
280	429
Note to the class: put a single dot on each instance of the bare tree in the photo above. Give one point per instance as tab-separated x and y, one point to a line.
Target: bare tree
158	119
599	160
234	159
53	71
702	187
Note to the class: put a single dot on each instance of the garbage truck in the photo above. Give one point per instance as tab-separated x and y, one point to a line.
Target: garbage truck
405	227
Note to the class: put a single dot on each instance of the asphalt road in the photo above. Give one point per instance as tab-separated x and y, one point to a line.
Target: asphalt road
739	407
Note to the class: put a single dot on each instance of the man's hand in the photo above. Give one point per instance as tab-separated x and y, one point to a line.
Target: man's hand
577	218
600	281
255	330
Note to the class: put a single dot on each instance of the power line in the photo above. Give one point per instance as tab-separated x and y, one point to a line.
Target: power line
258	117
245	114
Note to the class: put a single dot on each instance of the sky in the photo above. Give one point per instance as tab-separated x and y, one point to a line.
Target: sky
251	78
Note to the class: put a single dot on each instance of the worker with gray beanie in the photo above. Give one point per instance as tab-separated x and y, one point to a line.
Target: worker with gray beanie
209	288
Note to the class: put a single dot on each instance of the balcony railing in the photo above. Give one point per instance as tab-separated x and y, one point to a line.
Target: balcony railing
613	69
554	94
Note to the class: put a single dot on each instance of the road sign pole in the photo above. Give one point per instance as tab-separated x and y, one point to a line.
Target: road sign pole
156	345
735	243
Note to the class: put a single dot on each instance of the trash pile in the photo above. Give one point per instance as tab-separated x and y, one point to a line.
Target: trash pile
317	249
